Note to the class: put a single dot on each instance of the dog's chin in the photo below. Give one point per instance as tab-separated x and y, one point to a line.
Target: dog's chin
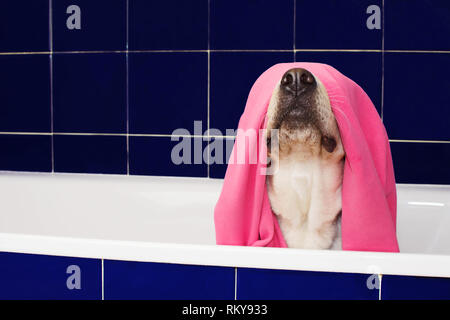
297	134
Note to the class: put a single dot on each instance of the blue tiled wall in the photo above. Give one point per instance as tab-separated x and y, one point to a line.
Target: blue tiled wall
105	98
143	280
269	284
27	276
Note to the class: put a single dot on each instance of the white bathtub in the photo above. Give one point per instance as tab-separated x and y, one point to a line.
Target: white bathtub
164	219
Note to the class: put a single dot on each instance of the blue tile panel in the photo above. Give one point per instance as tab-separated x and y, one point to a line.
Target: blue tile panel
89	93
417	25
24	26
167	91
102	25
220	149
232	76
90	154
260	284
168	25
417	96
237	24
25	93
25	153
143	68
164	156
159	281
40	277
362	67
414	288
329	24
426	163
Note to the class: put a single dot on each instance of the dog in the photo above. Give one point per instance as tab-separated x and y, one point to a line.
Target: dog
305	191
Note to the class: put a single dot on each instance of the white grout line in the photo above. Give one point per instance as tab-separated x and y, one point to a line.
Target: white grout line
294	31
419	141
156	135
90	52
23	53
208	88
127	87
50	38
117	134
28	133
170	50
103	279
235	282
50	25
223	50
418	51
338	50
380	280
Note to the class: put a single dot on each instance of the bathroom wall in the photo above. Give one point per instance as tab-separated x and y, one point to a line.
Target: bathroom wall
99	86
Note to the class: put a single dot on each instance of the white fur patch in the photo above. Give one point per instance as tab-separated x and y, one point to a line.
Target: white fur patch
305	192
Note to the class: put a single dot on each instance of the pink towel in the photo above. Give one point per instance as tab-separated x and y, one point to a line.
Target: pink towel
243	215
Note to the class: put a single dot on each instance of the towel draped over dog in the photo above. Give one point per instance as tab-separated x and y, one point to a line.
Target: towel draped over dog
243	215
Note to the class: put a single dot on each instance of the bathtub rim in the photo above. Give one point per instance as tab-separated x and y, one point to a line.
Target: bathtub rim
383	263
143	178
410	264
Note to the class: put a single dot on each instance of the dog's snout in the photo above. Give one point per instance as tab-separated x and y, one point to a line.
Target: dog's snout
297	79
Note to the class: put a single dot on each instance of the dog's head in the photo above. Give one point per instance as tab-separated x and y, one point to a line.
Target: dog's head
300	109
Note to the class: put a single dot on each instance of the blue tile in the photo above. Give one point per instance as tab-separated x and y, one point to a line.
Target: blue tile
159	281
153	156
260	284
170	24
167	91
218	168
89	93
414	288
25	153
421	162
25	93
417	96
264	24
417	25
28	276
90	154
362	67
330	24
102	25
232	76
24	25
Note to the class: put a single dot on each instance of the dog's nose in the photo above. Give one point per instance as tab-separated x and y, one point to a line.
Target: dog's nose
297	79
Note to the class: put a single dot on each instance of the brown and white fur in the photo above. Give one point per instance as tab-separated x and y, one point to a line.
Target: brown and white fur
305	190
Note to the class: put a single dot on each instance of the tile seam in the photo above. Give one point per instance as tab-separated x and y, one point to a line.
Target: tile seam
222	51
174	135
